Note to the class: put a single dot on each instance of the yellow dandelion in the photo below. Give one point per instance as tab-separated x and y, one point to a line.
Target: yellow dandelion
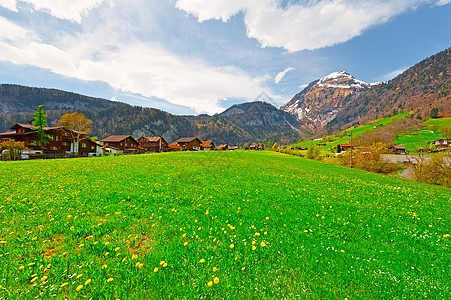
104	267
267	218
48	266
215	269
446	235
88	281
21	267
79	276
64	253
124	259
262	244
72	228
216	280
202	261
155	270
44	278
162	262
79	287
165	265
185	244
210	283
243	268
64	284
253	247
110	279
30	264
33	279
117	249
232	246
184	235
342	251
134	256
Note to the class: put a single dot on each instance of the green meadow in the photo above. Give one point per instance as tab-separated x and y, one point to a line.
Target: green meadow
411	140
341	138
219	225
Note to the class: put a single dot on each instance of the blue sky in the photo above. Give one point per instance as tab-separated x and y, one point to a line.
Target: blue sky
196	56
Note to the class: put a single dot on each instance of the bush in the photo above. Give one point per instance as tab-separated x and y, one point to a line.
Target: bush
370	159
433	169
314	152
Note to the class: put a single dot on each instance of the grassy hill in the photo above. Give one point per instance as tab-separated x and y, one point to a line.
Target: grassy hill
250	224
411	140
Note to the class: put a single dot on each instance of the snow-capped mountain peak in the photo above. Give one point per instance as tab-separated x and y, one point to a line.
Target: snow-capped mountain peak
342	80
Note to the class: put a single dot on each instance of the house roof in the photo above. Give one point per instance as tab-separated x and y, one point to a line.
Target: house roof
152	138
346	145
29	126
186	140
177	147
398	147
115	138
207	144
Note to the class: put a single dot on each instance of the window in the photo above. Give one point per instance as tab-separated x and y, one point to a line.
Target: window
83	145
53	148
57	138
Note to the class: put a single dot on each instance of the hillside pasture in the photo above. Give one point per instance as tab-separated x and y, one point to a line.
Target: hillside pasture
218	225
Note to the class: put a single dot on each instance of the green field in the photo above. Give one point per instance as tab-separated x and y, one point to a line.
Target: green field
219	225
339	138
419	139
411	140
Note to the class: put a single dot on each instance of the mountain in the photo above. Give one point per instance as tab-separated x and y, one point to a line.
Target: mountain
421	88
248	122
16	98
254	121
321	100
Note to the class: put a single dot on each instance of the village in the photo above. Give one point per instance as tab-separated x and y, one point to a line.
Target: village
64	143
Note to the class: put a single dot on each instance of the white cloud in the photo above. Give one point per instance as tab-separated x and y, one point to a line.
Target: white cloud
281	75
9	4
443	2
67	10
316	24
129	65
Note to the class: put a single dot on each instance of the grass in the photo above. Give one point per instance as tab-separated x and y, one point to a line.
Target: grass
341	138
419	139
250	224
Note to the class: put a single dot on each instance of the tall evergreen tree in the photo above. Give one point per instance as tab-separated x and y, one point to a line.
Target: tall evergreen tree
39	124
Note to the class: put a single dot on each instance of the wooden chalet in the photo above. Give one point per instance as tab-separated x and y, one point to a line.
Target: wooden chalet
59	142
207	145
344	147
120	144
175	147
153	144
189	144
397	149
222	147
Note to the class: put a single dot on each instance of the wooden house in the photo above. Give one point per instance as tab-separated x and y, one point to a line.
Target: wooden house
120	144
397	149
153	144
222	147
344	147
60	140
175	147
189	144
207	145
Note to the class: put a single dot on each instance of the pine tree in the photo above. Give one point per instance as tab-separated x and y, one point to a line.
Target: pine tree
39	124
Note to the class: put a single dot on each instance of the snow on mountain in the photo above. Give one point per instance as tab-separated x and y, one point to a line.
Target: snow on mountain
321	100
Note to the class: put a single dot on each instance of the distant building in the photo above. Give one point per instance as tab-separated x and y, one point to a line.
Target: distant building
222	147
153	144
190	144
397	149
207	145
344	147
175	147
120	144
60	141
